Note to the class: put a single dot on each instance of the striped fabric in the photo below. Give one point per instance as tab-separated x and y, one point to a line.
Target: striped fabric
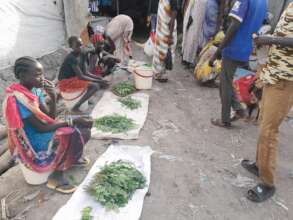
162	34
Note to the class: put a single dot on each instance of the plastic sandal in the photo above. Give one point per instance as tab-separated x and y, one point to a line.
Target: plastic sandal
260	193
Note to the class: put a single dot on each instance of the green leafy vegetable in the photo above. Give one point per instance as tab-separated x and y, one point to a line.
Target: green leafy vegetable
86	213
114	124
123	89
115	184
130	103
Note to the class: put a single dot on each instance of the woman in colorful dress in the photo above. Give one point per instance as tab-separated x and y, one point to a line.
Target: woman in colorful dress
41	143
166	37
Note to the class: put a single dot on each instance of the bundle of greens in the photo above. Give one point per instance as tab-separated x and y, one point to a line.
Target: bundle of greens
123	89
130	103
114	124
86	213
115	184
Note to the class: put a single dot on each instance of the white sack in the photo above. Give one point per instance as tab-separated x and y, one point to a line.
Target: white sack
141	157
109	105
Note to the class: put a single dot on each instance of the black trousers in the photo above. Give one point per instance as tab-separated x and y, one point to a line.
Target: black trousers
227	92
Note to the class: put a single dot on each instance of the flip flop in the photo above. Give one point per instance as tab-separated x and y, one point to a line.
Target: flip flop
219	123
260	193
250	166
82	162
63	186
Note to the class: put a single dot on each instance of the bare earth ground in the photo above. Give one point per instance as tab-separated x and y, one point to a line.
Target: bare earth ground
195	170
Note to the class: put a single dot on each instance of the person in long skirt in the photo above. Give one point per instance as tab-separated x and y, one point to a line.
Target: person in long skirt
166	37
192	28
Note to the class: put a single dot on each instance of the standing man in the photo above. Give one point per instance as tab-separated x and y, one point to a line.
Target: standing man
277	101
246	17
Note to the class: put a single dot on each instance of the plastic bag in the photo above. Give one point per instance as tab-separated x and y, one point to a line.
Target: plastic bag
242	87
149	47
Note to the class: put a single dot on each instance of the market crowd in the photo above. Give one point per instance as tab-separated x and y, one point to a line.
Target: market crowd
219	39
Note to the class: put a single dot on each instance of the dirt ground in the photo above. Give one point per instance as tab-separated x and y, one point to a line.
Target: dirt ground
195	168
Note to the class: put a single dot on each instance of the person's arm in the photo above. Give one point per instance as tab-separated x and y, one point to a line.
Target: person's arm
233	28
82	76
94	77
127	47
42	127
107	55
49	108
271	40
236	15
220	15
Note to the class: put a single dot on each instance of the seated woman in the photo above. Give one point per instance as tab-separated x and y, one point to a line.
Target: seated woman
101	62
41	143
74	77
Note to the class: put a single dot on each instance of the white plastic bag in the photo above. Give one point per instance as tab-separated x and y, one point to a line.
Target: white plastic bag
149	47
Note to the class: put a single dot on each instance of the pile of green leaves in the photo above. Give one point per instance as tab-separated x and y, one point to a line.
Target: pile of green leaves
114	124
86	213
115	184
123	89
130	103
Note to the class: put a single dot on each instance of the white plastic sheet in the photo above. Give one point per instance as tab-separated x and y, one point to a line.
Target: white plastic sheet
140	157
29	28
109	105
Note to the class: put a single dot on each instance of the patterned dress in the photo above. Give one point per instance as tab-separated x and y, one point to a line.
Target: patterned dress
162	38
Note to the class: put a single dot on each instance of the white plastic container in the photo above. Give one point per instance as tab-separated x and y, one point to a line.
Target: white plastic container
143	77
70	99
32	177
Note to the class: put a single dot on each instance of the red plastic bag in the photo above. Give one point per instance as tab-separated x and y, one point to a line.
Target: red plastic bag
242	86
